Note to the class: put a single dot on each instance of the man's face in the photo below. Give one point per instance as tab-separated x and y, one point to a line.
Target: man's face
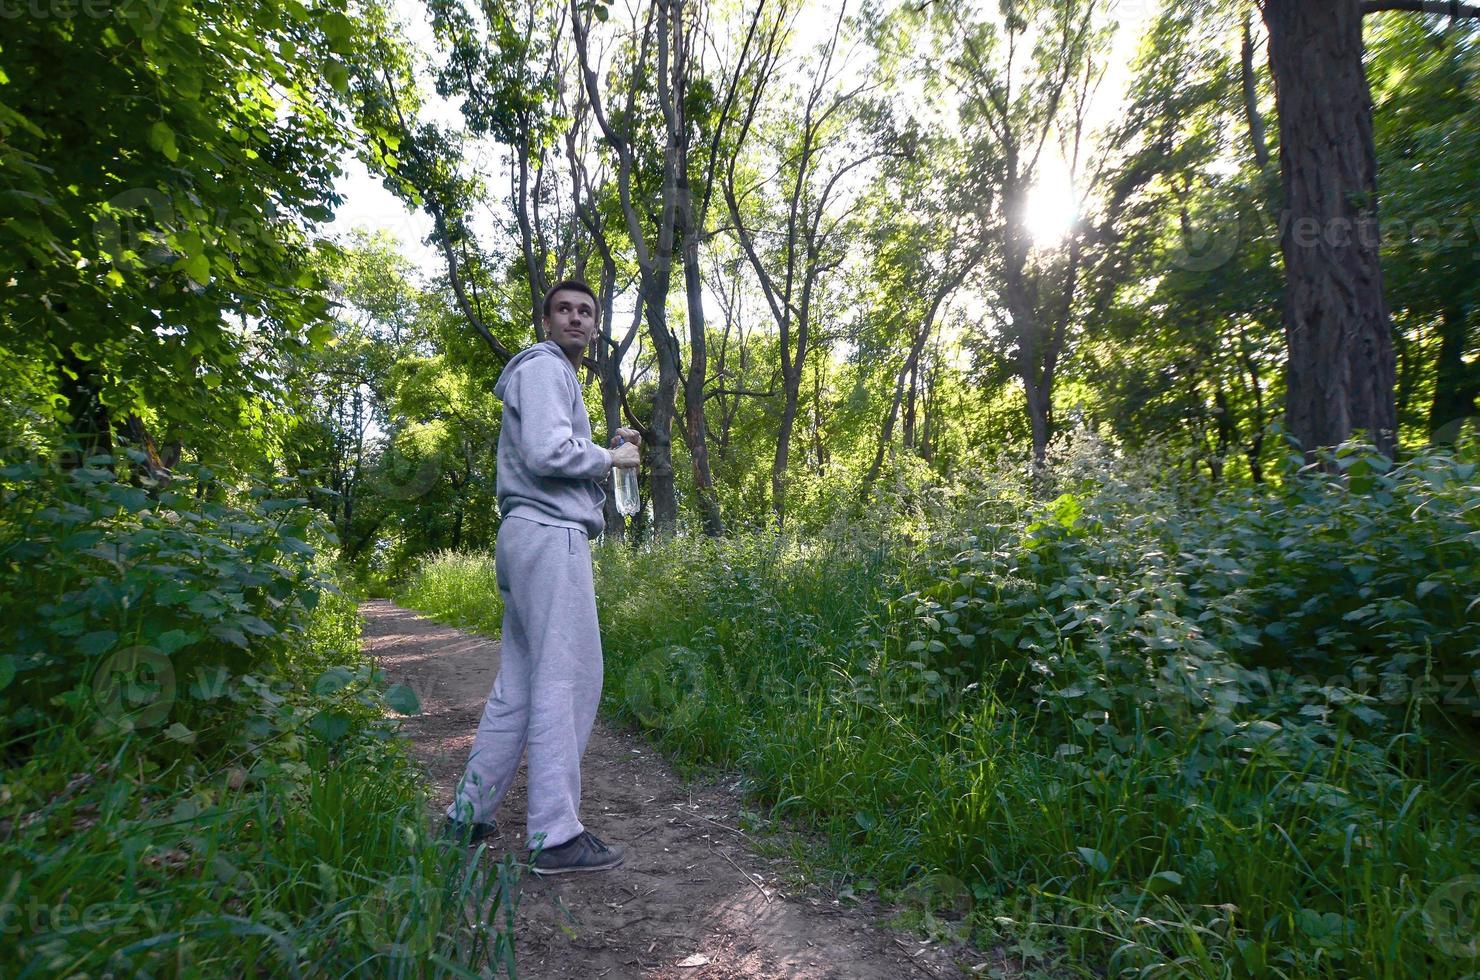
571	322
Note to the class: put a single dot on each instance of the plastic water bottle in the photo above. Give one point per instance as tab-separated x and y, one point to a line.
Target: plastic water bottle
625	480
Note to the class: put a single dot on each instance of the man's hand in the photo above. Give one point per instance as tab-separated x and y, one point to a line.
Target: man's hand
626	455
624	448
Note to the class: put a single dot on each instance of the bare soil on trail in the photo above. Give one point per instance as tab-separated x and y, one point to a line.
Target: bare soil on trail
694	899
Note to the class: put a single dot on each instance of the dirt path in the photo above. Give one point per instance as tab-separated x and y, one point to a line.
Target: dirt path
692	890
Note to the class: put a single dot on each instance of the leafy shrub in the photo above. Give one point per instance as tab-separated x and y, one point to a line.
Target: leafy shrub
199	765
1130	724
134	608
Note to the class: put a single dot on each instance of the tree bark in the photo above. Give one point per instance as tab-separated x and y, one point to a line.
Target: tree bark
1251	99
1341	371
692	218
655	264
665	499
696	426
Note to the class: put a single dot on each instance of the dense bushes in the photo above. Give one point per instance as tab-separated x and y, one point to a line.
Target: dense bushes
1173	728
1163	728
198	772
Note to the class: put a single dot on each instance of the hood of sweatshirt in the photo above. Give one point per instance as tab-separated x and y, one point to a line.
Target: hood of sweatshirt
545	348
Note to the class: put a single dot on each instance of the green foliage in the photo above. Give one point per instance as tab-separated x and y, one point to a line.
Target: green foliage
122	581
200	771
155	233
1425	81
456	587
1175	729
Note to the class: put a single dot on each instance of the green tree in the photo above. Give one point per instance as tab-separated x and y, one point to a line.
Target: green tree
160	196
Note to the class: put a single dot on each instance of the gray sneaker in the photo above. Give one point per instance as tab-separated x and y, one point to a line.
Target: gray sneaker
465	832
584	852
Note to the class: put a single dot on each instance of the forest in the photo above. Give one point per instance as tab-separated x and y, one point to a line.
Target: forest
1060	420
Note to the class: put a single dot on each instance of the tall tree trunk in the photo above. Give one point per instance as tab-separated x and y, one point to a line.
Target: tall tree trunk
91	426
1251	99
609	373
655	264
911	392
696	427
1040	417
1457	384
819	450
1341	367
1254	448
783	451
533	263
665	499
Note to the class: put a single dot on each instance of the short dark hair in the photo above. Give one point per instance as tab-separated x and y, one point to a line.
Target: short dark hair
565	284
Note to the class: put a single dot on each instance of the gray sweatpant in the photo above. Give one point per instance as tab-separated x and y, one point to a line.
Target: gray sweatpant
548	684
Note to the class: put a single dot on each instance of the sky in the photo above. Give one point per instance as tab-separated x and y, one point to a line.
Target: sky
369	206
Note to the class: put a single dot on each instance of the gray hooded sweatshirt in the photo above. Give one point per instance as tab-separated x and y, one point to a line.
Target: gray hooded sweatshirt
549	470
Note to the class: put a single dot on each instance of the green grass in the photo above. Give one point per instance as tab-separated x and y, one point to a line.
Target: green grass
460	589
296	857
198	776
1056	727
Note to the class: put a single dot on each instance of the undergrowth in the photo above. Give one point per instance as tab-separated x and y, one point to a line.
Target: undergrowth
199	773
1117	725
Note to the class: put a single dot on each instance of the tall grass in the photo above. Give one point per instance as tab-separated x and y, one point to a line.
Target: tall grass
457	588
1145	729
198	773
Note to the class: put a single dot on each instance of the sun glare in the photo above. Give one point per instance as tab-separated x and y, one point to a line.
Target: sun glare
1052	208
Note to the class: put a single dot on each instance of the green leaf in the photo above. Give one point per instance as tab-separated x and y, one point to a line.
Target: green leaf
1094	859
171	640
336	75
7	670
331	726
197	267
338	29
1163	882
403	700
162	138
332	680
256	626
230	634
179	733
131	499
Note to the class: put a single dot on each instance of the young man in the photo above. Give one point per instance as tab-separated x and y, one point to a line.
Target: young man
549	680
